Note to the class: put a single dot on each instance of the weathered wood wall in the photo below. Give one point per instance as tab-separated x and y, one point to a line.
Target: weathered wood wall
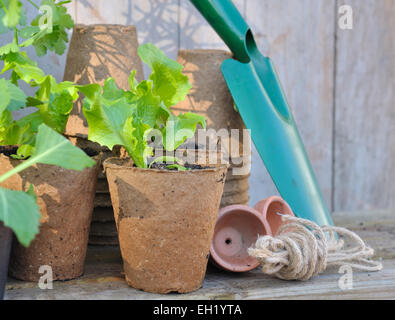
364	161
340	83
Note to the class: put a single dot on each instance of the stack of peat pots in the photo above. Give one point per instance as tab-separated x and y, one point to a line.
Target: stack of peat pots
211	98
96	53
103	228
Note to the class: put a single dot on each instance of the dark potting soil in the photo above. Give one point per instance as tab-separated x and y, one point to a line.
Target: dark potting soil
10	150
90	151
164	166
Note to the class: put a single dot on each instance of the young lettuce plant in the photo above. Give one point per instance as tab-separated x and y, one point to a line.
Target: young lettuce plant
132	118
53	100
18	209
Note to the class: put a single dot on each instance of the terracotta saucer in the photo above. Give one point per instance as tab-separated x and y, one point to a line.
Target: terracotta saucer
237	228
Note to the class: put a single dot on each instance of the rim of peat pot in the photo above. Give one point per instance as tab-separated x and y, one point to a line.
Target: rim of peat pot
65	198
129	165
237	228
165	221
269	208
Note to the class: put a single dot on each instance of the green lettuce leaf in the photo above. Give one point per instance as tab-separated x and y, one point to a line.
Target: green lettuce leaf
57	102
169	82
20	212
5	95
179	128
113	120
23	67
106	112
12	98
11	14
148	106
5	121
52	148
8	48
53	38
22	133
23	152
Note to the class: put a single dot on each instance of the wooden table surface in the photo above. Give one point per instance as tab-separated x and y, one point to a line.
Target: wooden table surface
103	277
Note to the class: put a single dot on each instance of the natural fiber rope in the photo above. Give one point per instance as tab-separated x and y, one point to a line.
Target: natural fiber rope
301	249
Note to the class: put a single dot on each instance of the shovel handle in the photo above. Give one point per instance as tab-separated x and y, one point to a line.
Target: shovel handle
227	21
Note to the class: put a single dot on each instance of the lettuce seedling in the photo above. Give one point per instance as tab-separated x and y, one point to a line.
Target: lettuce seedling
18	209
53	100
134	118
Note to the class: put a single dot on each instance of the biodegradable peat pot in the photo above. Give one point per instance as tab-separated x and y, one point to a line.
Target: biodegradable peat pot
239	198
211	98
270	207
97	52
5	249
65	198
237	229
165	221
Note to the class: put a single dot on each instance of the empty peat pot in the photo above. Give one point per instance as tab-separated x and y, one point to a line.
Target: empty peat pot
65	198
270	207
237	229
5	249
165	221
97	52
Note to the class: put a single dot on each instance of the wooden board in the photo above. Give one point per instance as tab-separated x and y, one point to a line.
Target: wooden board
103	278
365	114
102	11
196	33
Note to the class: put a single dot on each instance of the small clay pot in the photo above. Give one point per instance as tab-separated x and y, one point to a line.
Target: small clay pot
165	221
5	249
270	207
237	229
65	198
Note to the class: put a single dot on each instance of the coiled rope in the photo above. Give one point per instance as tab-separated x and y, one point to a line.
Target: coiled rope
301	249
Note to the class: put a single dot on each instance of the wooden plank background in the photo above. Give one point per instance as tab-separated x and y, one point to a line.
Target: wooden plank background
365	108
339	83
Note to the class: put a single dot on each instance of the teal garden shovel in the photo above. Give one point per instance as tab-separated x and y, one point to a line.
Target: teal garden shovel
262	104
